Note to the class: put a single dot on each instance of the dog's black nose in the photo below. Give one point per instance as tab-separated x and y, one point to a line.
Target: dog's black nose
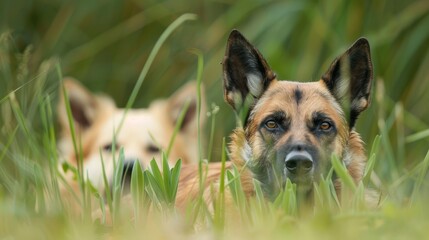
126	173
299	162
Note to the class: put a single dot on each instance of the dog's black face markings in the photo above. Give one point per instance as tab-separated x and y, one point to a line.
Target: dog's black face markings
276	123
298	95
321	125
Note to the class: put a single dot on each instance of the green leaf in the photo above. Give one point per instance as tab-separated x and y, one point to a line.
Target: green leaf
156	181
342	172
421	177
166	177
175	176
138	191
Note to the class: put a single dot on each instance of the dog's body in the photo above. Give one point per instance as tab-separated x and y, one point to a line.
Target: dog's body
143	135
290	129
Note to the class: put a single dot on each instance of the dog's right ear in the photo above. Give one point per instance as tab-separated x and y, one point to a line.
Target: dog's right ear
246	73
84	105
187	93
349	79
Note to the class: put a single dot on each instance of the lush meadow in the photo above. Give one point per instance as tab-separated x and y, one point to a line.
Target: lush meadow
137	51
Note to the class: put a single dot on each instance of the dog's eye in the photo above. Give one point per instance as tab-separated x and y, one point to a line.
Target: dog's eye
325	126
271	124
109	147
153	149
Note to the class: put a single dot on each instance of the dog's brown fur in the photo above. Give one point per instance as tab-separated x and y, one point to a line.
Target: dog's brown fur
311	120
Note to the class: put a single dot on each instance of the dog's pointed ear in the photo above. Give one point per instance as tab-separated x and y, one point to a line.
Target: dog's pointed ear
84	105
246	73
177	102
349	79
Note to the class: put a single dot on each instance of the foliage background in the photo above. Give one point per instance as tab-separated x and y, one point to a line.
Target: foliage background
105	43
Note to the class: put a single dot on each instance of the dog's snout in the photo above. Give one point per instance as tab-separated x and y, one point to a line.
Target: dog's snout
299	162
299	146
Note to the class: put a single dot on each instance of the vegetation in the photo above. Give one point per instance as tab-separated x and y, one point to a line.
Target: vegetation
132	51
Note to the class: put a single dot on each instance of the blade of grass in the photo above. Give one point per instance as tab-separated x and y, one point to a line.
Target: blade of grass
166	176
138	192
342	172
156	183
371	162
167	32
8	143
200	67
177	126
51	147
417	136
107	188
117	186
76	147
420	178
212	114
175	175
219	214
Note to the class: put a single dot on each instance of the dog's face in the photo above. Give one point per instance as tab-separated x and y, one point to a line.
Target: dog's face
295	128
292	129
143	135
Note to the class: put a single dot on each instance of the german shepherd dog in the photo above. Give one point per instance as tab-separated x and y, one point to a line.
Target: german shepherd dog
290	129
144	133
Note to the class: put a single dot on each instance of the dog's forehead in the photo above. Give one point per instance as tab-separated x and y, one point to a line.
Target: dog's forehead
297	98
136	124
301	93
137	118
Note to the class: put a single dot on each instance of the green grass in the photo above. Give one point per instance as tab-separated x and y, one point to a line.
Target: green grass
128	57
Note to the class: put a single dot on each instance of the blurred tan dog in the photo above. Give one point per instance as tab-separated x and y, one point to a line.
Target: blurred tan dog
144	133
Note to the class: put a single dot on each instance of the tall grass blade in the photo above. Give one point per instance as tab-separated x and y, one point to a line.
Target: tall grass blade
178	126
420	178
417	136
138	192
371	161
342	172
167	32
199	80
117	184
219	214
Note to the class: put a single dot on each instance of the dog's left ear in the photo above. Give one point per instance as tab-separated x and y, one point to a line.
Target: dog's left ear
179	99
349	79
245	71
85	107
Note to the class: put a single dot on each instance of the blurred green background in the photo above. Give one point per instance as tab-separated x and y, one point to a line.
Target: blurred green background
105	43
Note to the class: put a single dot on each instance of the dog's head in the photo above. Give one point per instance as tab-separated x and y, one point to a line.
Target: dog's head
291	129
143	134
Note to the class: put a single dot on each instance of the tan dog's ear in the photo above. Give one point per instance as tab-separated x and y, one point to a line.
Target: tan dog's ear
349	78
84	105
177	102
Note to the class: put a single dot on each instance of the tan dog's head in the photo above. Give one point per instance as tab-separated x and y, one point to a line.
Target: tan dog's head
291	129
144	133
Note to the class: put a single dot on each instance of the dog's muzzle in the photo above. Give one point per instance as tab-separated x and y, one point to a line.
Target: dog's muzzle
299	162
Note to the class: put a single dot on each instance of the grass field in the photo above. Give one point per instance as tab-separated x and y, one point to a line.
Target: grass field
115	47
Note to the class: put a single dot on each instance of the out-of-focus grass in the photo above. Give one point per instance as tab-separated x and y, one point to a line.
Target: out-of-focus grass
106	44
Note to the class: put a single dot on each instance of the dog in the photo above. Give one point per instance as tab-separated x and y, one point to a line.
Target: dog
290	129
144	134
